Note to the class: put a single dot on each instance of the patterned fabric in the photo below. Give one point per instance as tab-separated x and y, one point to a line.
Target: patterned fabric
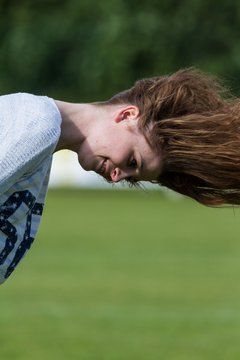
30	129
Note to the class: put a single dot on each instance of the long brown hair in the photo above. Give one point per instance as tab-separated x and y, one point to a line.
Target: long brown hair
195	123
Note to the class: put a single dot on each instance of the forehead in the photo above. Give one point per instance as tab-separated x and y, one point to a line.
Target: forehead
151	168
150	158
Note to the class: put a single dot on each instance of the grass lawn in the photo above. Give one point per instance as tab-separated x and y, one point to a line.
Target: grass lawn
125	275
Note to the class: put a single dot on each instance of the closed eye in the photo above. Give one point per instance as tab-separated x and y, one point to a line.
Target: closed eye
133	163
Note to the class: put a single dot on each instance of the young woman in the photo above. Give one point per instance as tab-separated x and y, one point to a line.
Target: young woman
181	131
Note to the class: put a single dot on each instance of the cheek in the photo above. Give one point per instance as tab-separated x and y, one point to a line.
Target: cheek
120	153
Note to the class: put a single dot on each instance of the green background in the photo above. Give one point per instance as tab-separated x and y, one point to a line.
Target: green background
86	50
126	275
121	275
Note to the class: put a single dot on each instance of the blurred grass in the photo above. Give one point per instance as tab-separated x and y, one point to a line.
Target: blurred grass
116	275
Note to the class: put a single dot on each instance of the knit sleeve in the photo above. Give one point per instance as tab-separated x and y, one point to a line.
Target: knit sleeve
29	131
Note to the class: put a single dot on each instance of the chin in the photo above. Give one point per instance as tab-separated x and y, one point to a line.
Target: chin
83	164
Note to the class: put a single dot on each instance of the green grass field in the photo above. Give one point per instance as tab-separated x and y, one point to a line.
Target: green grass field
125	275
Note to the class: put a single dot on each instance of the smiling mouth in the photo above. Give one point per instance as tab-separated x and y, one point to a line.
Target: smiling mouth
104	170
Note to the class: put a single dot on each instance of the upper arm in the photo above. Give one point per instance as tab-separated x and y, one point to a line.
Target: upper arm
29	131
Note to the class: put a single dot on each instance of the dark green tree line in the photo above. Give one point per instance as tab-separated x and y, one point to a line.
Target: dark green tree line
86	50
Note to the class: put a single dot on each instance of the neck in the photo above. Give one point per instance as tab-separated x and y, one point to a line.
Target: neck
76	119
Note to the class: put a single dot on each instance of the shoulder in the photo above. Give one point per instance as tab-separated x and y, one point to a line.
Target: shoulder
24	112
30	127
28	105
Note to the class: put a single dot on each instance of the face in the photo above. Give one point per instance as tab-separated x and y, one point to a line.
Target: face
119	151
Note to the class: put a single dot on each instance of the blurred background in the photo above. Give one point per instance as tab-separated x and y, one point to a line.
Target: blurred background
120	275
88	50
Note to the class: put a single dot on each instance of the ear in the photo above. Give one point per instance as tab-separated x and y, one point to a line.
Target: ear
130	112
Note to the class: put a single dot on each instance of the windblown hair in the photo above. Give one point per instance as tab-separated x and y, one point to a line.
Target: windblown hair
192	119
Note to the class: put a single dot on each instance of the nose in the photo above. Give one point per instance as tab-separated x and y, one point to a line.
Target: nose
117	174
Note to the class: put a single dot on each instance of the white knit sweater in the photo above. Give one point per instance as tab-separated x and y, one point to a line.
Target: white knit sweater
29	131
